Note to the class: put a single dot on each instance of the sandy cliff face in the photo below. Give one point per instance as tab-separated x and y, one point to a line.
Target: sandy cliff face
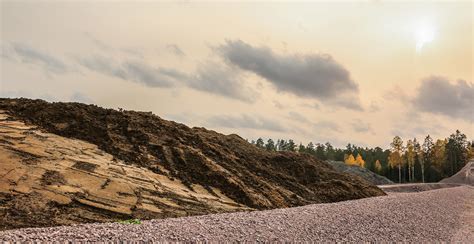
98	164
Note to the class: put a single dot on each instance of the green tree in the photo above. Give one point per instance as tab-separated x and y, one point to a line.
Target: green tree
270	146
259	143
301	148
310	148
291	146
330	153
457	152
320	153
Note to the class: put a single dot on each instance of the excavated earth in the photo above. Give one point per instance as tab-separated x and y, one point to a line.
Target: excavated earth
67	163
361	172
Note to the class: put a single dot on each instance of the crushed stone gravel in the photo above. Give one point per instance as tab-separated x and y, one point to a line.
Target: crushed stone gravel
442	215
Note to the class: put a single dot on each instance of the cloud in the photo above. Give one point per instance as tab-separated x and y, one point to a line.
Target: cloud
27	94
312	106
397	94
326	125
26	54
374	107
297	117
278	104
437	95
81	98
134	71
211	77
361	126
316	76
222	80
173	48
246	121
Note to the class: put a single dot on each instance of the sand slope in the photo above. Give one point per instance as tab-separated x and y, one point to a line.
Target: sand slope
464	176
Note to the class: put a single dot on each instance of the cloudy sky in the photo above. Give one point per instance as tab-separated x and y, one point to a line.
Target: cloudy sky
358	72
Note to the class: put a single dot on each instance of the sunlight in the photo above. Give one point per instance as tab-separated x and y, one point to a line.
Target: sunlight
424	34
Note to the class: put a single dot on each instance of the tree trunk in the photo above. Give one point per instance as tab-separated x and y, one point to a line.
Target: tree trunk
399	174
423	171
409	172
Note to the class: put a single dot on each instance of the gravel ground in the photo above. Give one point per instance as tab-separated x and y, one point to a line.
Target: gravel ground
430	216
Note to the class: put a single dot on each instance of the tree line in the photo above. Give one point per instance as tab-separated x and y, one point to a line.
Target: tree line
414	161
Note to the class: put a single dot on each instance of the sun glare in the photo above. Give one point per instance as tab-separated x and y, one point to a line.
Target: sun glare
424	34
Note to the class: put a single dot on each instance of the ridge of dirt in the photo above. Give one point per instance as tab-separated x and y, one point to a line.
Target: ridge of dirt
250	176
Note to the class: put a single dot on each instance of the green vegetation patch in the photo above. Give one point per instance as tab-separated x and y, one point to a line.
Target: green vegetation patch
130	222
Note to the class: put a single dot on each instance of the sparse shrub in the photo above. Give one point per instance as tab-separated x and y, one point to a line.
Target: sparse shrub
130	222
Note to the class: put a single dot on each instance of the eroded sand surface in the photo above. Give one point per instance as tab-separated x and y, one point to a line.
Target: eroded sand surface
48	180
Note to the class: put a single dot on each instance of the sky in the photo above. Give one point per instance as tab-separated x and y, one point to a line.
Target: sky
355	72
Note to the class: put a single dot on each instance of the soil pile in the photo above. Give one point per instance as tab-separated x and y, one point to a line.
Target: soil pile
224	166
464	176
360	172
46	180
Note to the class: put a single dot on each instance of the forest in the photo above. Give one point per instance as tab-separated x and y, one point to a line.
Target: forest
429	160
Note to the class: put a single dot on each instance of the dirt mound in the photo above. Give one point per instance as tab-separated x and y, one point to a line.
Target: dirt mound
464	176
46	180
225	166
361	172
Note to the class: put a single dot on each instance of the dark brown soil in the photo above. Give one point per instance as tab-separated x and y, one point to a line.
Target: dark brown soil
51	177
85	166
247	174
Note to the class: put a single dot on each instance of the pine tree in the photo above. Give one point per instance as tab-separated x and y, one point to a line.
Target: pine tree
457	152
260	143
270	146
301	148
291	146
330	153
320	153
310	148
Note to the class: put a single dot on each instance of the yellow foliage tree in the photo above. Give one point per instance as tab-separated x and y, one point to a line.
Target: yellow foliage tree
439	154
395	158
360	161
378	167
350	160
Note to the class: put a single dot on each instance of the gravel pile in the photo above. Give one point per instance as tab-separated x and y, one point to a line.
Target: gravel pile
430	216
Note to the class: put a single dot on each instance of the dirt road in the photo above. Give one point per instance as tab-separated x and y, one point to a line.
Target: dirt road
437	215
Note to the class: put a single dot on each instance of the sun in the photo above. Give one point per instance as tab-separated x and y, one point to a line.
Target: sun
424	34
